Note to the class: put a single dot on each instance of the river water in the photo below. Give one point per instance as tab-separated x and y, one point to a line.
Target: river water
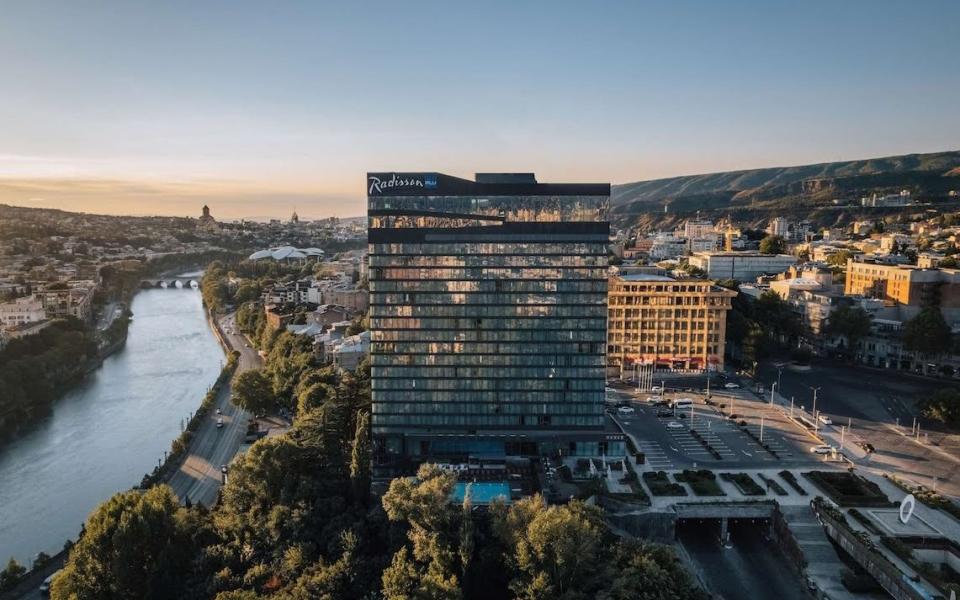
111	429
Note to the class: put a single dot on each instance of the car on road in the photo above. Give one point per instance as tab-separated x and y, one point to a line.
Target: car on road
866	447
609	390
656	389
220	423
652	399
223	469
821	449
45	586
626	410
825	420
664	413
219	411
674	425
731	386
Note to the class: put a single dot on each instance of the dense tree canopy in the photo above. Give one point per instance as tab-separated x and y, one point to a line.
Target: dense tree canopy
927	333
943	406
136	545
36	369
252	391
773	244
851	322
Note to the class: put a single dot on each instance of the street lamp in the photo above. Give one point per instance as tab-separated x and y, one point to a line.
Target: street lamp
814	413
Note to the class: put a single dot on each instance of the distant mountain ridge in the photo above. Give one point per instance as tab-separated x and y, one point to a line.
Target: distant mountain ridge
716	190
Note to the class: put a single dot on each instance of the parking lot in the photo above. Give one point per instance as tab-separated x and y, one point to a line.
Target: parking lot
703	436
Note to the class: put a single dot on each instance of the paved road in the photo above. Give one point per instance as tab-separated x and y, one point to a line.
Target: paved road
751	567
880	408
199	477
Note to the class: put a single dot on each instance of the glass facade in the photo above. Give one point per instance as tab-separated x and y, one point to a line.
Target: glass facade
488	313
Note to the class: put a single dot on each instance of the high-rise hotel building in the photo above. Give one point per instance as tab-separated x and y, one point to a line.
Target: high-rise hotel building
488	313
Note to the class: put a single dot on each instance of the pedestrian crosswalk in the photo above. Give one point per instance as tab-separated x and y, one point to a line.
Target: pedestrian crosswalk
655	455
692	447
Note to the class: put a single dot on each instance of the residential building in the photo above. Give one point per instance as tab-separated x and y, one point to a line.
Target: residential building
658	320
906	286
21	311
328	314
929	260
72	302
666	246
779	226
741	266
356	300
697	229
488	302
351	351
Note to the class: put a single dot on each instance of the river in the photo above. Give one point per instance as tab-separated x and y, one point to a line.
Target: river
109	430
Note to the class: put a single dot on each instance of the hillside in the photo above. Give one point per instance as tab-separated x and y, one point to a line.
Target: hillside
801	187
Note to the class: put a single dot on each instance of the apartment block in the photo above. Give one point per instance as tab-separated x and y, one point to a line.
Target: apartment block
678	324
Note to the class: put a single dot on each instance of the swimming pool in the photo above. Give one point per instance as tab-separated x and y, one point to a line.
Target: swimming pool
482	493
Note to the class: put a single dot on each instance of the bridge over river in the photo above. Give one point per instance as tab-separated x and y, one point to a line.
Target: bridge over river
171	283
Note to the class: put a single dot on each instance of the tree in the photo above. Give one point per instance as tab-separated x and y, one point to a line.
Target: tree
360	459
252	391
927	333
554	551
11	575
773	244
423	504
135	545
943	406
949	262
839	259
314	397
851	322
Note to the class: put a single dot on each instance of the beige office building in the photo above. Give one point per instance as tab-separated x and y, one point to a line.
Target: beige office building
670	323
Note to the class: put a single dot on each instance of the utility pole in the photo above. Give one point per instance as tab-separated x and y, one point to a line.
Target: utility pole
843	430
773	387
779	373
791	407
761	427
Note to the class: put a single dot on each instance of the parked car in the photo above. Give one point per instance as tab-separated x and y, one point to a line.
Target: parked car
656	389
626	410
821	449
674	425
825	420
223	469
731	386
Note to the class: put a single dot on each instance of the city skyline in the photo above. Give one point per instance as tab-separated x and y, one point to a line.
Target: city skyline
256	111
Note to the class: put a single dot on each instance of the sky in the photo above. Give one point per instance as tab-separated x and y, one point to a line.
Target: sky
260	108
